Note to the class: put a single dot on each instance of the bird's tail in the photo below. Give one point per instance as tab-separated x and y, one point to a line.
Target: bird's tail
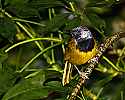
67	73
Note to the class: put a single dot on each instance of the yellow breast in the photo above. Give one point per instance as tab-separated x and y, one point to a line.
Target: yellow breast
77	57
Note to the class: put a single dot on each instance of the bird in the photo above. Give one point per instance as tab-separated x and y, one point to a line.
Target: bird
81	48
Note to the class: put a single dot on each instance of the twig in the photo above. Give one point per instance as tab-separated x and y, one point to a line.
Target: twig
92	62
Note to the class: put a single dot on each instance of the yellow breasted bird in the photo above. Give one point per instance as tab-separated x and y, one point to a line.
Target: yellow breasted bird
81	48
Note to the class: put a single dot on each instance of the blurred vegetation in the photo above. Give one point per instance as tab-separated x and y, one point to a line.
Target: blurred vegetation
33	34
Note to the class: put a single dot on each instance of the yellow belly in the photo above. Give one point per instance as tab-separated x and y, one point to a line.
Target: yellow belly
77	57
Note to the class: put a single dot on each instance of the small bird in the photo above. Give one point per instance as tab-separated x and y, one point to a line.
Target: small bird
80	49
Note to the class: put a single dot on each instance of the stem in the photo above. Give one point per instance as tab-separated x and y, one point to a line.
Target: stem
30	40
122	52
72	7
106	59
36	42
60	37
22	20
40	53
52	51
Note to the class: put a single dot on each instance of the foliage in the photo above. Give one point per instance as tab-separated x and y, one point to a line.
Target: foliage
32	38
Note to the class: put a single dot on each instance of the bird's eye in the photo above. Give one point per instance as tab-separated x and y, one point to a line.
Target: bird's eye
86	30
77	31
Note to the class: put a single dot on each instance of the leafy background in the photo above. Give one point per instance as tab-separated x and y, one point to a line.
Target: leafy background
32	70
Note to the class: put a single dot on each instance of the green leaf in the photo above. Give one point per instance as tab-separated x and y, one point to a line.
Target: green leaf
7	78
70	24
103	81
104	3
56	86
31	8
21	8
7	29
112	90
45	3
100	10
54	24
96	21
34	88
16	3
28	89
119	91
27	12
3	55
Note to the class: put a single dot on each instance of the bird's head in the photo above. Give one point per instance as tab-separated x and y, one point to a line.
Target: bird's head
81	33
83	38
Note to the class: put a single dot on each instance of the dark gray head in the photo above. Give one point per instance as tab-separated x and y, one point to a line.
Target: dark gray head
83	38
81	33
